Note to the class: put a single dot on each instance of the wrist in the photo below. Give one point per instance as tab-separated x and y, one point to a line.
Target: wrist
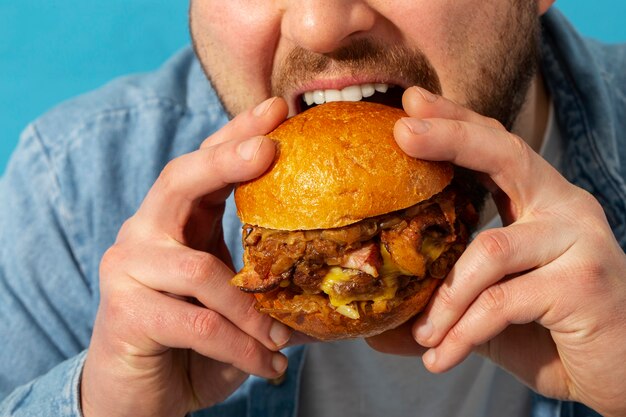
118	391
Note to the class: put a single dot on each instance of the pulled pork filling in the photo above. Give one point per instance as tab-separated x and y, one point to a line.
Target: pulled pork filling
368	261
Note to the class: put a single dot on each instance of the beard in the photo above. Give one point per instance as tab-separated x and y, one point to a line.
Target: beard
505	75
497	90
362	56
496	85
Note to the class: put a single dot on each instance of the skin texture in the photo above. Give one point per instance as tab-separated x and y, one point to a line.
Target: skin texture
545	297
170	329
542	297
464	56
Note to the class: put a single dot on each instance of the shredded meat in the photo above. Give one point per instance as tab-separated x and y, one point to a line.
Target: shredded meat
309	276
249	280
423	239
404	241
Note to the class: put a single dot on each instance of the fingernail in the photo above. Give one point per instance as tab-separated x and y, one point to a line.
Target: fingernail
429	357
279	363
280	334
427	95
416	126
247	150
262	108
424	331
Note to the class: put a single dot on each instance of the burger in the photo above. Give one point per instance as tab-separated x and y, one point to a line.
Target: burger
345	235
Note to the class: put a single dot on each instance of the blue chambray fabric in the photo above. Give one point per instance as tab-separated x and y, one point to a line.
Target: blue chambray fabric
84	167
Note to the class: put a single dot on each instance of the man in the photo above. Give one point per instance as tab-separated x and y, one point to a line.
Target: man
97	318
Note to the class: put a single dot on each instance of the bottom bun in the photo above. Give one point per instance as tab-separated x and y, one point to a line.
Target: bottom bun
313	315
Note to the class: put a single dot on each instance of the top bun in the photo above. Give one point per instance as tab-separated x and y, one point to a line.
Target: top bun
336	164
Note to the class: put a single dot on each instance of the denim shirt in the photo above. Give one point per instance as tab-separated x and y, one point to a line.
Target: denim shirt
83	168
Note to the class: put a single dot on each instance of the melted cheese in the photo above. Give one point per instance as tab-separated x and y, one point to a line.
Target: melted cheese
389	267
346	304
389	273
335	276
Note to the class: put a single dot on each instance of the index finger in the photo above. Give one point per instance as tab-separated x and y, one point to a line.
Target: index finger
421	103
259	120
204	173
513	166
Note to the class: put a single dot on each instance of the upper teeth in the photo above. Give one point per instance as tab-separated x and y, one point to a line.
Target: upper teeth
350	93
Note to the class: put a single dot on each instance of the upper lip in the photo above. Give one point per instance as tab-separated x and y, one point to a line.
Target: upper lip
294	98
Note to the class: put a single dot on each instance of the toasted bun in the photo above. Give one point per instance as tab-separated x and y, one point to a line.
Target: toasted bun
312	315
338	163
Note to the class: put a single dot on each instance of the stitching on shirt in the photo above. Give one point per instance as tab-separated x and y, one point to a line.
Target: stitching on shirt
54	149
60	209
589	135
76	137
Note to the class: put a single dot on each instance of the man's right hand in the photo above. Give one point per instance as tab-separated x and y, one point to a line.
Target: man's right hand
171	334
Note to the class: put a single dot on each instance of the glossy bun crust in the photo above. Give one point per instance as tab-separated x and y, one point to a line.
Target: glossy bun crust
311	314
338	163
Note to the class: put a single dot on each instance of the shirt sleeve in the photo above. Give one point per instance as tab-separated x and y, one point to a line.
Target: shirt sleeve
47	305
53	394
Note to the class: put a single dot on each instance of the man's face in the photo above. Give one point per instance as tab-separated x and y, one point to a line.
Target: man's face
480	53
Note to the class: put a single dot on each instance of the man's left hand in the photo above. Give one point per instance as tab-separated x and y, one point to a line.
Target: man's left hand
545	295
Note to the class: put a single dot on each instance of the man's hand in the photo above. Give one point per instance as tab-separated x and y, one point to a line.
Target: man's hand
171	334
544	296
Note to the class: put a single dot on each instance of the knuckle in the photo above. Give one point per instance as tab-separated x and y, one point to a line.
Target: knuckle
257	324
518	154
599	239
117	306
196	268
495	243
457	130
592	213
250	309
110	263
456	335
168	173
593	271
585	198
126	229
205	324
169	181
494	298
250	352
209	141
588	275
211	160
212	156
206	143
494	123
595	234
446	296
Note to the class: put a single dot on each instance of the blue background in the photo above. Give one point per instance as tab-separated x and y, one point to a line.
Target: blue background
53	50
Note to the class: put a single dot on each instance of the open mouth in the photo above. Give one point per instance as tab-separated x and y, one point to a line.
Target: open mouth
388	94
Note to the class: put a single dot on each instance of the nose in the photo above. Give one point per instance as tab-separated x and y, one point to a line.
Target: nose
324	25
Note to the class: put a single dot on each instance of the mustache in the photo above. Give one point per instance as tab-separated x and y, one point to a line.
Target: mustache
362	56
